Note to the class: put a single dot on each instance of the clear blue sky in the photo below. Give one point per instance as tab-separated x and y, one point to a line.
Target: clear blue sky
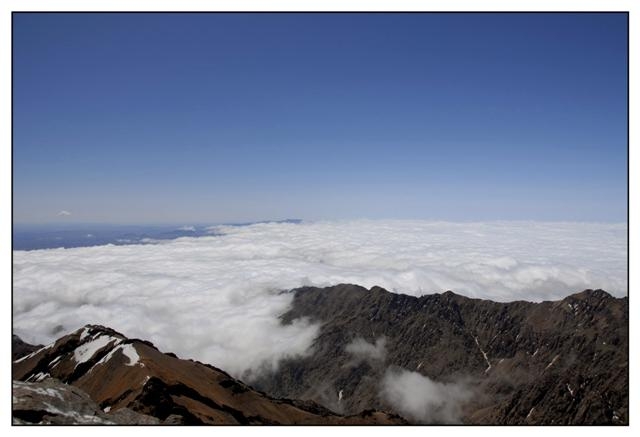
205	118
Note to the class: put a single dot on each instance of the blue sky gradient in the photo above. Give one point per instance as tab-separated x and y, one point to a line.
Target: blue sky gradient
208	118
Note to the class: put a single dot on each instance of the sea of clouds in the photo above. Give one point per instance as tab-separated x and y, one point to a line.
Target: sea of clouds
217	299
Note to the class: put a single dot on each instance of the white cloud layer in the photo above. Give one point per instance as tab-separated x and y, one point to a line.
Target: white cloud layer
217	298
421	399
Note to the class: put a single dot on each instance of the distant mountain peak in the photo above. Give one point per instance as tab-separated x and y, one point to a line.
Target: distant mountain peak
591	294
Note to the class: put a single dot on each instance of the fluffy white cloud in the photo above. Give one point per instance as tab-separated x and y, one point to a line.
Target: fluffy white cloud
64	213
421	399
217	299
362	349
187	228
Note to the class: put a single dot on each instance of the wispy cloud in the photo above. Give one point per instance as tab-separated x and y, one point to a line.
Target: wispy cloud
421	399
63	213
362	349
217	298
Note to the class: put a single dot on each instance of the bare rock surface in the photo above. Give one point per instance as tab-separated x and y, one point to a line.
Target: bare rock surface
53	402
553	362
118	373
19	348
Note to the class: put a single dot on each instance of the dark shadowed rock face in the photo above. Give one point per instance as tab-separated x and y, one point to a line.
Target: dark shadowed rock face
124	377
19	348
561	362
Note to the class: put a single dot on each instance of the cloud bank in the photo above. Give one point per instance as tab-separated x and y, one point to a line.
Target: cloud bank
421	399
217	299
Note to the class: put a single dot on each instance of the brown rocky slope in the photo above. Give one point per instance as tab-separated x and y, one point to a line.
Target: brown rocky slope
129	374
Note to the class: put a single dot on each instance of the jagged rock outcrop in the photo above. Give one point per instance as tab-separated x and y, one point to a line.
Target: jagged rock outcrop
560	362
118	373
53	402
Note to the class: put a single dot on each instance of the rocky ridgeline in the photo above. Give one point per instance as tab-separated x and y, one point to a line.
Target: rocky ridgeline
97	376
561	362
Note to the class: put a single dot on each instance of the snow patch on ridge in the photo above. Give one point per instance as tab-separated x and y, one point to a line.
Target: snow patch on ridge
85	333
130	352
86	351
34	353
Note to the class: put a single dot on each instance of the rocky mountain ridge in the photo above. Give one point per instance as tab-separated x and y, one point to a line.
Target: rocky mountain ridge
553	362
145	386
440	358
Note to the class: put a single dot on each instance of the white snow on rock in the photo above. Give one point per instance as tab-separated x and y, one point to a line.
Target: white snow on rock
552	362
484	354
106	357
130	352
34	353
569	388
85	333
86	351
530	411
55	361
38	377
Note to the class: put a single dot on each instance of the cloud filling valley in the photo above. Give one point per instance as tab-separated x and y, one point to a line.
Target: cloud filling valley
217	299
